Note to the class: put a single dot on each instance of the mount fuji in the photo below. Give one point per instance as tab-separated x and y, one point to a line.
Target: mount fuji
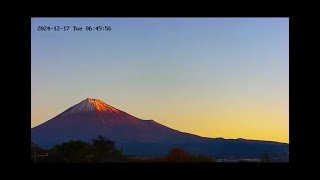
92	117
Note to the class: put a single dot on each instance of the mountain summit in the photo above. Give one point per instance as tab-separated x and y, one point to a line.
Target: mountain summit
89	104
92	117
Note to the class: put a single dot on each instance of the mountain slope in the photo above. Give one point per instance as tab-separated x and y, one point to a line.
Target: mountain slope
91	117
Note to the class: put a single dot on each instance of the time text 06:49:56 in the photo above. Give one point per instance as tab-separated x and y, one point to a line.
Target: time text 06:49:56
74	28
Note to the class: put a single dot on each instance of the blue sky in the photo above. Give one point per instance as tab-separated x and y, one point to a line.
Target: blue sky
224	77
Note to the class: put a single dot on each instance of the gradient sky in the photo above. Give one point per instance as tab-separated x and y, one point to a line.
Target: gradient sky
214	77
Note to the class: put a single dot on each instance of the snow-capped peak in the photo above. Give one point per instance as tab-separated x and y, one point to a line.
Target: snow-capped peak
101	106
89	104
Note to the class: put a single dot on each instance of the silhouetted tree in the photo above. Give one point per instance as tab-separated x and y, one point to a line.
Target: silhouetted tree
72	151
36	149
178	155
104	149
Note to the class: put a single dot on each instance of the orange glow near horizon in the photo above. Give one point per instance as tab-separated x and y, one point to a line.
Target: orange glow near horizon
229	121
248	119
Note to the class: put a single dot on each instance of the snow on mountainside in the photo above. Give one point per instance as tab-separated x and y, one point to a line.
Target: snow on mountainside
89	104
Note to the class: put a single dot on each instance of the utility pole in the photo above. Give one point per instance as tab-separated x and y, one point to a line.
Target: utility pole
89	156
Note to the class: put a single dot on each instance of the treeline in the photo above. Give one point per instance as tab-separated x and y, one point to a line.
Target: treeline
100	150
104	150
